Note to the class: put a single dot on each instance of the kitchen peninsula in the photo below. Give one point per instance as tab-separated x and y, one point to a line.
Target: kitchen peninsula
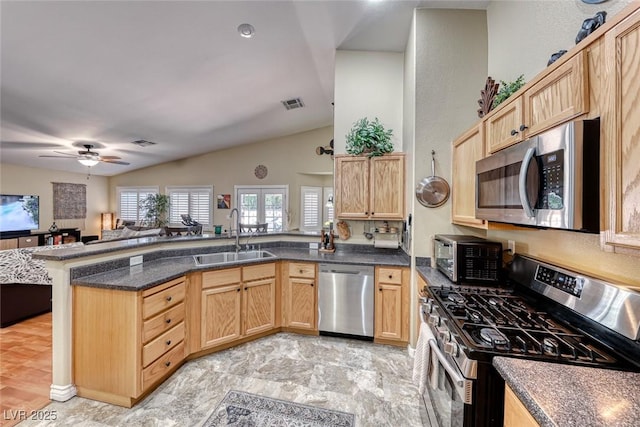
126	314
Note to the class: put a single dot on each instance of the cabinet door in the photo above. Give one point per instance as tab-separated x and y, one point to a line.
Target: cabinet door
387	187
558	97
388	312
515	413
259	306
351	198
8	244
467	149
220	321
503	127
301	304
622	150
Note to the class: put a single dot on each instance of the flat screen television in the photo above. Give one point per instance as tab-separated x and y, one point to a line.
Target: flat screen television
19	213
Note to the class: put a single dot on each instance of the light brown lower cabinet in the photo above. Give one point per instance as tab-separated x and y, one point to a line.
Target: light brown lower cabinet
126	342
515	413
300	297
236	303
391	313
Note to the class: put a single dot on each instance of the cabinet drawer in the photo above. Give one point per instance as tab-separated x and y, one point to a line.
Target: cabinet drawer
220	277
162	344
154	304
165	364
259	271
162	322
27	241
299	269
390	275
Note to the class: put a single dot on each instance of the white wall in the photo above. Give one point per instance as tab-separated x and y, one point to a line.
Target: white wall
409	117
451	69
290	160
368	84
524	33
16	179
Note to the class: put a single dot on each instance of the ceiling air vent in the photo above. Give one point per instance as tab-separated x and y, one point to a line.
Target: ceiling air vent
292	104
143	143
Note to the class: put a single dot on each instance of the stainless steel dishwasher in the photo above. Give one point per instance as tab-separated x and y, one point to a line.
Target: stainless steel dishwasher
345	300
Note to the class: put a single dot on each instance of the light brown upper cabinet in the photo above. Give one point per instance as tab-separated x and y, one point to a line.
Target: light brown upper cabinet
621	130
556	98
467	149
370	188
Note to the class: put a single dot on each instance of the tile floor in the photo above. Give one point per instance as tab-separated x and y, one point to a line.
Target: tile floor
371	381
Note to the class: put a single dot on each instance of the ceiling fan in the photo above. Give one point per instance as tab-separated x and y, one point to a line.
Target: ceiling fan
88	157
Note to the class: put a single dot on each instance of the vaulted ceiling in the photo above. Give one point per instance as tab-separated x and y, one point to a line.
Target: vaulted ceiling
176	73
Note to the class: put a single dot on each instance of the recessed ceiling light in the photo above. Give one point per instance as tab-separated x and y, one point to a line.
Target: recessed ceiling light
246	30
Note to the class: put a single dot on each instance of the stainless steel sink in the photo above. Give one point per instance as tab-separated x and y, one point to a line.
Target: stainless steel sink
225	257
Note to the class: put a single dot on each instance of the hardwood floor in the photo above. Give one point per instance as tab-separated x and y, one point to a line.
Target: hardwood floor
25	368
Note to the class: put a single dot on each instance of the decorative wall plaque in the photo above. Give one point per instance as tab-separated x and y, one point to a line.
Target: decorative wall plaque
261	171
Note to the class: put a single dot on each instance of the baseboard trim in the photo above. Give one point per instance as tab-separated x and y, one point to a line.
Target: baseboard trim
62	393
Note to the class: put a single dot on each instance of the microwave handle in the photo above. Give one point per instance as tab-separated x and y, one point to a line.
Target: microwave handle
522	182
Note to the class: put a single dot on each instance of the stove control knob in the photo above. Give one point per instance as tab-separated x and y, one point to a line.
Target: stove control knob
451	348
445	336
434	320
430	305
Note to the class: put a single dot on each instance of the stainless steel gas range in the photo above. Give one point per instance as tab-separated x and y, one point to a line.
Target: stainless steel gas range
543	312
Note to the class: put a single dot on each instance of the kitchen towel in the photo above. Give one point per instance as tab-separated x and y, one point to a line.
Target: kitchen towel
422	358
391	244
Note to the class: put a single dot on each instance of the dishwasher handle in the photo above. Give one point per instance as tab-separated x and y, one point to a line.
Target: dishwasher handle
346	269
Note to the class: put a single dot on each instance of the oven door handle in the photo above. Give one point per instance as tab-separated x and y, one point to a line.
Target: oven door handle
442	360
522	182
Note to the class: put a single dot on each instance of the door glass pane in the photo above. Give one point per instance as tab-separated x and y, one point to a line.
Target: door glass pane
248	208
273	211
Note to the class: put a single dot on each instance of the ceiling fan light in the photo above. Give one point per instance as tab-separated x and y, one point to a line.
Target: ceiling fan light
88	161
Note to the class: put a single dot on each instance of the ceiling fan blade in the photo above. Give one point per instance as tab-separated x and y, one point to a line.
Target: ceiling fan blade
66	154
115	162
110	158
60	157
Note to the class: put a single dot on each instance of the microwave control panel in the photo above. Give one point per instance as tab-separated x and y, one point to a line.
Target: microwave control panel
552	181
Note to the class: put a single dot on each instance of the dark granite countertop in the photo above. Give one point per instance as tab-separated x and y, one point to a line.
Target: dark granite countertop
564	395
108	246
157	271
433	276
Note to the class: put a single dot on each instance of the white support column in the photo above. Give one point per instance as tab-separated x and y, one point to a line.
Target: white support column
62	388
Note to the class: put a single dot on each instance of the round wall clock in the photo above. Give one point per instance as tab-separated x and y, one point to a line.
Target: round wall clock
261	171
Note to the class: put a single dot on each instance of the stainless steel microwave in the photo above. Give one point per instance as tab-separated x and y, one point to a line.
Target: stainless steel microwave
551	180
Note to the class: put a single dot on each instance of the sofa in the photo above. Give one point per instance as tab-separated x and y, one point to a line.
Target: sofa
25	284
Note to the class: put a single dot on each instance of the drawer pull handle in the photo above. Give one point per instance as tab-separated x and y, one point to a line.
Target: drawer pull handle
168	342
301	271
167	364
238	289
168	321
391	276
169	298
514	132
380	289
312	284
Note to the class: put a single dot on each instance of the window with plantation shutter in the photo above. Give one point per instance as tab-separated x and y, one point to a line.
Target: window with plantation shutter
311	208
316	207
129	202
195	201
